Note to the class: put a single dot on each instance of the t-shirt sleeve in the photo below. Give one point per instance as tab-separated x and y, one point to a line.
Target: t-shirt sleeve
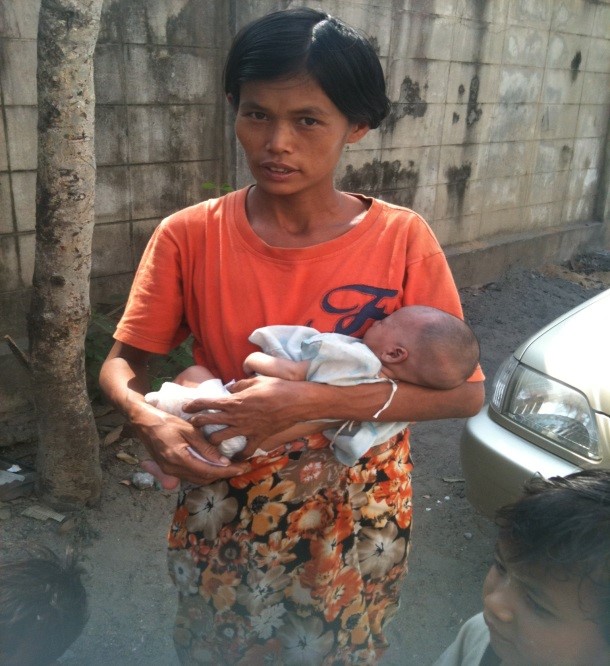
429	280
154	315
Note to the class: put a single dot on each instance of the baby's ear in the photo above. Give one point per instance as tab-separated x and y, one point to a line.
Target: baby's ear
396	354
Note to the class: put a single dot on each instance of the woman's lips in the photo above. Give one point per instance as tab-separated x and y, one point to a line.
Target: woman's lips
277	170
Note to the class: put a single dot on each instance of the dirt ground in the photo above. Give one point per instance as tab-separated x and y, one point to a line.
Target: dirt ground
122	542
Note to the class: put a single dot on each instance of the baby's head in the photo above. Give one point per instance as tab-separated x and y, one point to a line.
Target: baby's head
43	608
425	346
547	596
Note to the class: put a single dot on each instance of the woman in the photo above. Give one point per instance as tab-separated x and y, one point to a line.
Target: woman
291	557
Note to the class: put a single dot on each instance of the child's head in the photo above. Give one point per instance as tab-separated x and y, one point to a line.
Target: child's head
43	608
295	42
547	596
424	346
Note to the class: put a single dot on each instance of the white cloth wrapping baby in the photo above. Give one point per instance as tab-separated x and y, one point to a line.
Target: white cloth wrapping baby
170	398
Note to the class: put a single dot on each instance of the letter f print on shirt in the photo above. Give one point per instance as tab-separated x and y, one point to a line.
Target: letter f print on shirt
362	304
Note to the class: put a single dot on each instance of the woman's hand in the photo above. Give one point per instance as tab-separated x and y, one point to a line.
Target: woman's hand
259	408
167	438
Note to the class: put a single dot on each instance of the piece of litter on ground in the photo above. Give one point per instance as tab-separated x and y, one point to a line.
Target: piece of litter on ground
42	513
102	410
467	535
451	479
127	458
426	496
67	525
15	469
114	435
428	508
13	484
447	498
143	480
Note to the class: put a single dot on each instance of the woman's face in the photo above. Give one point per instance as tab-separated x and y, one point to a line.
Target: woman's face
292	134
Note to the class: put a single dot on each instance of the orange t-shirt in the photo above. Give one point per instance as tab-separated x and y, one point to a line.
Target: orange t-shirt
207	273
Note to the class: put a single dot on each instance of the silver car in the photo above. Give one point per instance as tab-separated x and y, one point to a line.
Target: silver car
549	410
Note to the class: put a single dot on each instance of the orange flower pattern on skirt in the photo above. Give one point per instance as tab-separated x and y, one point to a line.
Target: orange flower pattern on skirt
298	561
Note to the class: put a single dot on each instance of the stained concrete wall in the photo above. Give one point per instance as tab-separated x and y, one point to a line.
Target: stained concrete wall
498	131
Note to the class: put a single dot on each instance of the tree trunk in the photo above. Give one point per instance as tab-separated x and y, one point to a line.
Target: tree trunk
67	463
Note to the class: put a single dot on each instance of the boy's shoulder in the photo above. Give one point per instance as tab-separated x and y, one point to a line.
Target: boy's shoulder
469	646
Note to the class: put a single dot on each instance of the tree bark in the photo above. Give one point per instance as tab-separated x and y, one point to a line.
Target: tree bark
67	463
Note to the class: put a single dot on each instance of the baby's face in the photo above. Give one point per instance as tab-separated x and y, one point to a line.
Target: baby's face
380	336
538	620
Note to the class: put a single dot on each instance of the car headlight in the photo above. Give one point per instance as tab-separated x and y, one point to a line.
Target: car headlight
546	407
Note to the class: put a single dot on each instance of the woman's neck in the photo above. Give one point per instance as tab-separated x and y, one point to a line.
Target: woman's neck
301	220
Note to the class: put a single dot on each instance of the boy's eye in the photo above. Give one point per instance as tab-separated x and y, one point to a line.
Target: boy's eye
537	608
309	122
256	115
499	566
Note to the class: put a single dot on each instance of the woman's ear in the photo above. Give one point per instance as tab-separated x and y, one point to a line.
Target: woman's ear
357	132
396	354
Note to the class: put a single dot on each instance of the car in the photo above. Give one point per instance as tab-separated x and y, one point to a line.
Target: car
549	411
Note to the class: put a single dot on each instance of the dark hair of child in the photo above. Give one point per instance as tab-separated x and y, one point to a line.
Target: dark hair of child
43	608
306	41
562	526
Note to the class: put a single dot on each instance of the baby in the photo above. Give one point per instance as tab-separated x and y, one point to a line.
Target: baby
546	598
415	344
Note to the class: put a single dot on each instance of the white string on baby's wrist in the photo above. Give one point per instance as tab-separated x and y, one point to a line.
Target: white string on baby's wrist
389	400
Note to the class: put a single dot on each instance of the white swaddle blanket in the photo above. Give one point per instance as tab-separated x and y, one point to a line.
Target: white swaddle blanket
170	398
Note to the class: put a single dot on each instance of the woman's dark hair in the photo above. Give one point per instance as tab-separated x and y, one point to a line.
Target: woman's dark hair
563	525
306	41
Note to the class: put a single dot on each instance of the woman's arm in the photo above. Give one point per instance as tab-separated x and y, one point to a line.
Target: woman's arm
123	379
410	403
262	407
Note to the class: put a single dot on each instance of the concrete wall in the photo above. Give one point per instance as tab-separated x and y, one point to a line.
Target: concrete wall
498	131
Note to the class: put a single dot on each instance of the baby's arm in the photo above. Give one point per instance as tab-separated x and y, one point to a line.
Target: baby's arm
270	366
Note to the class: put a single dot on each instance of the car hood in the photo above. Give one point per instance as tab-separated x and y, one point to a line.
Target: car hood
575	349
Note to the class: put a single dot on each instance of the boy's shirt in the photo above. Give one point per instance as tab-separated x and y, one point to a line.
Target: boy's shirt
471	646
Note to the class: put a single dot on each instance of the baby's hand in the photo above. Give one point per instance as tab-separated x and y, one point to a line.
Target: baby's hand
250	364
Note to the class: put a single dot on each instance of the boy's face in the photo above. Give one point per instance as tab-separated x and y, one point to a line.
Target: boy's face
535	619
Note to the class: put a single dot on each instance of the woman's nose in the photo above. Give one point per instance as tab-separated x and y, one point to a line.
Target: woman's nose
279	139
